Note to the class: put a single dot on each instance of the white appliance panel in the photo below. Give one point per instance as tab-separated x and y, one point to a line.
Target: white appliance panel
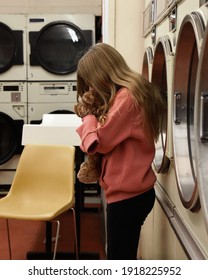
37	22
57	92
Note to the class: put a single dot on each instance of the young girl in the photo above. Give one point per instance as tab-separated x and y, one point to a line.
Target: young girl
134	111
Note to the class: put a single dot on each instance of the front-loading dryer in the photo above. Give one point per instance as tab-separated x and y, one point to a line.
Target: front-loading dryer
162	76
55	44
13	47
50	97
188	48
163	40
13	115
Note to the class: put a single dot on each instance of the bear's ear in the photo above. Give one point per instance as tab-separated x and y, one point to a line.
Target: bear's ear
88	98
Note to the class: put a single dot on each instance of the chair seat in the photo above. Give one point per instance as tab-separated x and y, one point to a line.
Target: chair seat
23	210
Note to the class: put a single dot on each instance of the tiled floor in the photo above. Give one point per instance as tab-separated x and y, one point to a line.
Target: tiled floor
30	235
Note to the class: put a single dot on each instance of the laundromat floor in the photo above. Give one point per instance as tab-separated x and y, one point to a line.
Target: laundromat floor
29	236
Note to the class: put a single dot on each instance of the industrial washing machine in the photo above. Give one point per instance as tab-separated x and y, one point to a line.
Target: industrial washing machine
180	190
55	44
13	93
189	43
158	64
175	35
157	67
13	115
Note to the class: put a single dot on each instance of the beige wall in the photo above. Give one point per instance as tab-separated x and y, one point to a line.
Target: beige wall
122	28
51	6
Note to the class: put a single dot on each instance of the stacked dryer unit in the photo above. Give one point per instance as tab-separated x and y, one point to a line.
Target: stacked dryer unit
13	93
55	44
38	61
188	49
176	35
186	121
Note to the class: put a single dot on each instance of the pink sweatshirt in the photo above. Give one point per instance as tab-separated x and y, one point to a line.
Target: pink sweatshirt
127	153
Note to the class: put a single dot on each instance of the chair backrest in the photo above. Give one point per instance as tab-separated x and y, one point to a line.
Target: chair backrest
45	172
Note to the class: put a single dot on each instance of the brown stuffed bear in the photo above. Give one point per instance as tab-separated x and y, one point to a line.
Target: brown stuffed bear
90	103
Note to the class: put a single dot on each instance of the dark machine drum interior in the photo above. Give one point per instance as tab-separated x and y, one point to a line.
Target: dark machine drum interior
11	47
62	38
10	140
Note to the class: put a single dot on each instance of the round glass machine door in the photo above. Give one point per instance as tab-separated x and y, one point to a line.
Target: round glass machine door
59	47
186	63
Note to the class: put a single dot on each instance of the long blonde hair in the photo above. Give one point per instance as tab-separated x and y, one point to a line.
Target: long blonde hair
104	70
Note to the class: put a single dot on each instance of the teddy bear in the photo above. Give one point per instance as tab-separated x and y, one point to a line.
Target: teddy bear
90	103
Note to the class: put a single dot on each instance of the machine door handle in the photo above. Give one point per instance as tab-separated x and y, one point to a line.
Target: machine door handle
203	117
177	97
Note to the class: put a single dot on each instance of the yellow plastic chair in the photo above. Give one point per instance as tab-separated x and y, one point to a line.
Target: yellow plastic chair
42	188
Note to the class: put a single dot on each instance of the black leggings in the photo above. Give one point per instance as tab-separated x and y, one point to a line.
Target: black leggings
124	221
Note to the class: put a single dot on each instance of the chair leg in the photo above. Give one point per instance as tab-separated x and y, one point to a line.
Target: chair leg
75	233
56	239
9	240
75	236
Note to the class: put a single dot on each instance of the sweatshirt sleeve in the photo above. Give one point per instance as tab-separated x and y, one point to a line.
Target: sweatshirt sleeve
117	128
88	134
